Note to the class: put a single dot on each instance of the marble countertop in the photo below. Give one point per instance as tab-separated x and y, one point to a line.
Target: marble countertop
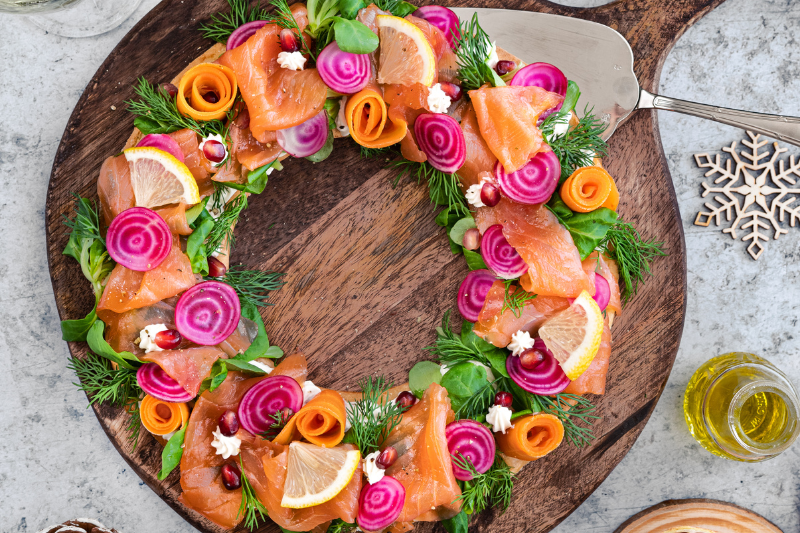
56	463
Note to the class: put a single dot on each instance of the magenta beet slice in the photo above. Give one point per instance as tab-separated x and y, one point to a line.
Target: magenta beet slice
244	32
470	441
443	18
472	293
307	138
500	256
267	397
534	183
441	139
545	378
157	383
343	72
138	239
602	292
208	313
544	75
163	142
380	504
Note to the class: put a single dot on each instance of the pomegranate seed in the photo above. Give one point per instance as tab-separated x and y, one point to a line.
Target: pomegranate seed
490	194
503	398
228	424
386	458
406	399
169	89
472	239
243	119
529	359
211	97
214	151
504	67
452	90
289	41
168	340
231	476
216	268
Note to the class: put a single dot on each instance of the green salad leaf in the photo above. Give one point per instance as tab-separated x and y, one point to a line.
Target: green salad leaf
256	179
462	382
325	151
98	344
76	330
458	524
354	37
172	453
422	375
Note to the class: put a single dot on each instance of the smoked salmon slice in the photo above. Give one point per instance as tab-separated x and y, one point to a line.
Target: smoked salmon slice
593	380
480	159
127	289
545	245
508	118
277	98
123	328
189	367
497	326
423	465
195	161
248	151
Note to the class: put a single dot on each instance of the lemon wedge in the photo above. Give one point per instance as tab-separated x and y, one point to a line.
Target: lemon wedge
159	179
406	56
574	334
315	474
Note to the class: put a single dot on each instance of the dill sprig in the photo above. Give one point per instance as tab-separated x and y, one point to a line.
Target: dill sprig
285	19
223	226
444	188
86	224
579	146
375	152
279	421
493	487
633	255
570	409
472	51
253	286
373	417
398	8
134	426
251	507
515	300
222	25
451	350
340	526
478	404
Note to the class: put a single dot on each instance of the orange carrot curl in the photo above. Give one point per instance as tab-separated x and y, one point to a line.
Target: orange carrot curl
321	421
367	118
532	437
207	92
590	188
161	418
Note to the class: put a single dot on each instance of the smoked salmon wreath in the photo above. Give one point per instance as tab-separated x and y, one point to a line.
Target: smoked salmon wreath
176	336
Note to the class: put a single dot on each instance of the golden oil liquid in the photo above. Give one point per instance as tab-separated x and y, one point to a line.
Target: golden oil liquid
739	406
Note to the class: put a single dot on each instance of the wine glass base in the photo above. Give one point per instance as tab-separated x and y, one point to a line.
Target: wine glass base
87	18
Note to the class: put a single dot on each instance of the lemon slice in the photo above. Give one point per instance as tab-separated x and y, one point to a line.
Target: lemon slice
315	474
573	335
159	179
406	56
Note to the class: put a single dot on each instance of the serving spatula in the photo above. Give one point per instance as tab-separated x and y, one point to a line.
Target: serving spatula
600	61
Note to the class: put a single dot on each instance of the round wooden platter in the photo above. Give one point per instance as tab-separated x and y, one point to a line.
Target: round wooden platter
697	516
369	274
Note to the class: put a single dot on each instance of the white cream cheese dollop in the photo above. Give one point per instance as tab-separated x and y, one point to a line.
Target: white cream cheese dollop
438	101
341	119
261	365
310	391
473	193
492	59
218	138
560	128
225	446
291	60
500	418
371	469
147	337
520	341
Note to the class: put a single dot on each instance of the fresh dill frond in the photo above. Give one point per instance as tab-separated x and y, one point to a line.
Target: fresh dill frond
444	188
223	226
376	152
398	8
253	286
134	427
373	417
222	25
451	350
102	383
340	526
493	487
476	406
515	300
285	19
472	50
86	224
251	507
570	409
580	145
279	421
633	255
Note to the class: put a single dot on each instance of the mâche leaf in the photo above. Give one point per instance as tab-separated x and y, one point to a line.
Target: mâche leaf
422	375
474	260
354	37
324	152
97	343
463	381
76	330
458	524
256	179
172	453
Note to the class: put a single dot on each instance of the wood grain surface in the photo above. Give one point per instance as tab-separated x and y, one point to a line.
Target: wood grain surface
370	274
697	516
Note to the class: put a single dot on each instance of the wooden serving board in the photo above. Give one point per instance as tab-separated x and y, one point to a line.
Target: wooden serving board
370	274
697	516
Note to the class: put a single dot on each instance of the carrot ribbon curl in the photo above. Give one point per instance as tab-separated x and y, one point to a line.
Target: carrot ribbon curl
321	421
590	188
532	437
161	418
367	119
197	84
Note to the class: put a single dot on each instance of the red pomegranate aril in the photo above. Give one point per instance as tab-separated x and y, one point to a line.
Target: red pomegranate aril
231	476
406	399
472	239
214	151
490	194
211	97
529	359
228	423
216	268
289	41
503	399
169	89
386	458
243	119
505	66
168	340
451	89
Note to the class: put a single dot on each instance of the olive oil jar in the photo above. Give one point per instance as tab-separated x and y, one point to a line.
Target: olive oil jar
740	407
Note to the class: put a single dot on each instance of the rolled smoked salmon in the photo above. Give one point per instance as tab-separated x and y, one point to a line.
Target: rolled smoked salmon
480	159
531	437
189	367
321	421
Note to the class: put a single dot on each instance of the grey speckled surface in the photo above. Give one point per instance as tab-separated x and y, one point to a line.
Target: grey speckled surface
55	461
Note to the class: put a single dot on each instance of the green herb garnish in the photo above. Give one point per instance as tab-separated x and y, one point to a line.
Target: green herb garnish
579	146
86	244
398	8
251	507
340	526
321	14
376	152
285	19
279	422
253	286
443	188
223	225
569	408
472	51
633	255
515	300
373	417
222	25
493	487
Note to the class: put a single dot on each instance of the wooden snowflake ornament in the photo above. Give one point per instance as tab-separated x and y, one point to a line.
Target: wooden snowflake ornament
755	195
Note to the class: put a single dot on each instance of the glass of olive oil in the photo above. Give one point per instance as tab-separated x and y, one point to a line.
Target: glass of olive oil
741	407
